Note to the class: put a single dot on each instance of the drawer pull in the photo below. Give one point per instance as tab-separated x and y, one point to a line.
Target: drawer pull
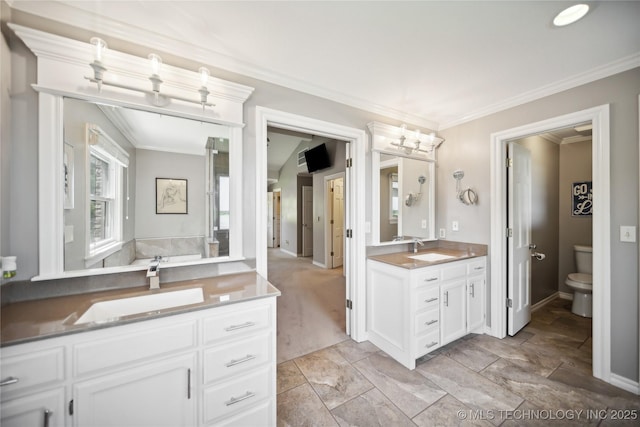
241	326
479	268
446	299
431	279
473	291
239	361
235	400
431	344
431	299
9	381
431	322
47	417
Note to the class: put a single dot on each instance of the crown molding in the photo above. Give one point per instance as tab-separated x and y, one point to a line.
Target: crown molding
597	73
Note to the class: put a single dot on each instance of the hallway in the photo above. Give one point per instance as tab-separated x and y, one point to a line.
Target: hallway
311	309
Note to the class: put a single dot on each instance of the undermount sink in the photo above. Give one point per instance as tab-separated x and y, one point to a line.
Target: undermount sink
431	257
107	311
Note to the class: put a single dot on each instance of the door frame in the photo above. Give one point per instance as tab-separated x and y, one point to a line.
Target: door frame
599	117
327	220
355	206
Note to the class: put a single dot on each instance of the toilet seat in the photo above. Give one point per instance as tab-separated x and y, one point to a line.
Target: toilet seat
580	281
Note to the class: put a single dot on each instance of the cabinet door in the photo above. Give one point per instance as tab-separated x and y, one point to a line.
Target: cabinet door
44	409
156	394
453	311
475	303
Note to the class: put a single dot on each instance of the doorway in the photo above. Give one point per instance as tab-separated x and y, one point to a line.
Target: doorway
355	204
599	117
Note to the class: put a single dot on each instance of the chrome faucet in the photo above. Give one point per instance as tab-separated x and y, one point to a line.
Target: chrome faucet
416	242
153	273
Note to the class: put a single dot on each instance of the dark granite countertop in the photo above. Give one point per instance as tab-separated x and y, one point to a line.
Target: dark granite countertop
38	319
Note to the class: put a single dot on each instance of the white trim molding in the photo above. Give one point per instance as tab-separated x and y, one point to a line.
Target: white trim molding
355	188
599	116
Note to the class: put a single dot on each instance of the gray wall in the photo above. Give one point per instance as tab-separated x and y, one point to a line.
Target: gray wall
467	147
575	166
5	144
544	216
158	164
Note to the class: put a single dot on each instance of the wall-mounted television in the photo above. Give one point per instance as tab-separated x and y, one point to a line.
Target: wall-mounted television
317	158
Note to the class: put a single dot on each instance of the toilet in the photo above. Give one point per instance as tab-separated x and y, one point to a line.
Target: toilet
581	282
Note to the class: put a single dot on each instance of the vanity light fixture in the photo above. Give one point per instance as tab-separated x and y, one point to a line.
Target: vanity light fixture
570	15
155	63
419	143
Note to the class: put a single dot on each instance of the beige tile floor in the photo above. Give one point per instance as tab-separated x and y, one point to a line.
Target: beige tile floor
541	376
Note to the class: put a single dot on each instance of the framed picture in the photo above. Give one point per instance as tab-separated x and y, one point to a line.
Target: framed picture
582	198
67	160
171	196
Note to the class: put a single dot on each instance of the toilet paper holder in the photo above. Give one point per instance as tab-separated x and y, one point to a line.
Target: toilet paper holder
539	256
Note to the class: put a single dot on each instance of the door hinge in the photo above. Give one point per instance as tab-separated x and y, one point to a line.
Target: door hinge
71	407
331	222
331	253
509	232
349	162
349	233
349	304
509	303
509	162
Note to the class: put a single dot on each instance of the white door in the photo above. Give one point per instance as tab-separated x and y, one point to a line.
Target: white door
270	219
337	225
307	220
519	224
39	409
276	221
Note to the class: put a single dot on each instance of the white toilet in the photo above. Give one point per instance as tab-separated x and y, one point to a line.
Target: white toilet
582	282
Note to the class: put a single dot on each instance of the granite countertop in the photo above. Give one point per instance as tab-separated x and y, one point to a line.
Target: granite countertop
404	260
38	319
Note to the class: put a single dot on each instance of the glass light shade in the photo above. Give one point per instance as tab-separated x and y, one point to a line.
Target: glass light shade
418	134
99	47
156	62
570	15
204	75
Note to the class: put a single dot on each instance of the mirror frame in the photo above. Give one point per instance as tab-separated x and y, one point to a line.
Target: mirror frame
63	65
380	133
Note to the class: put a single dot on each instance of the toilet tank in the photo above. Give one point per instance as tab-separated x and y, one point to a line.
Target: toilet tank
584	258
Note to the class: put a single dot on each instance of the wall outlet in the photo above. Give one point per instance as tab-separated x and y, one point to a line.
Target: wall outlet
443	233
424	223
627	233
455	226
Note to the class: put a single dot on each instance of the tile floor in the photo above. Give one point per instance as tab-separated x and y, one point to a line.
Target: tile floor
541	376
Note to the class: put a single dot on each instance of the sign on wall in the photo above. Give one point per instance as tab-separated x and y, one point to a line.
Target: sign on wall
582	195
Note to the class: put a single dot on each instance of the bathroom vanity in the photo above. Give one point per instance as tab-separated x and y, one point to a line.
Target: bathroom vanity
206	363
418	302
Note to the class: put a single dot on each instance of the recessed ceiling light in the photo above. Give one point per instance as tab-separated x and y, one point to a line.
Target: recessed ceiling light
570	15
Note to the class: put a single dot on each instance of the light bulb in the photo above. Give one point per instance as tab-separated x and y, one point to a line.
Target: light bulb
156	62
418	134
570	15
204	75
403	129
100	46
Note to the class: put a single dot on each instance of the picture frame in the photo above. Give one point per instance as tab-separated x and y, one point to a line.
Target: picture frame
171	196
582	199
68	177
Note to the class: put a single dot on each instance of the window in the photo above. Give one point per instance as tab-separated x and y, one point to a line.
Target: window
106	164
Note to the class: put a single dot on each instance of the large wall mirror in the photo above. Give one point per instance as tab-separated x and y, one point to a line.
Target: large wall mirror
140	184
402	189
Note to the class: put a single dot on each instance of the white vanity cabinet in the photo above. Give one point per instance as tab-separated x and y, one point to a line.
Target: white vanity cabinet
412	312
206	367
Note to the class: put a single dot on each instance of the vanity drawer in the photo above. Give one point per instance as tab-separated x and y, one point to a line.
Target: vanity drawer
238	323
427	298
427	343
455	270
427	321
224	360
28	370
237	395
426	276
478	266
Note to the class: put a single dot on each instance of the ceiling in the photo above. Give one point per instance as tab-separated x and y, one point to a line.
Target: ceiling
428	63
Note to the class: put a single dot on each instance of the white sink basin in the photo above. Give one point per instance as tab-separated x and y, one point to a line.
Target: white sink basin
107	311
431	257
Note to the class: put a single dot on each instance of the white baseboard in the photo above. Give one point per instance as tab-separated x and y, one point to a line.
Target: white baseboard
544	302
288	252
624	383
318	264
566	295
